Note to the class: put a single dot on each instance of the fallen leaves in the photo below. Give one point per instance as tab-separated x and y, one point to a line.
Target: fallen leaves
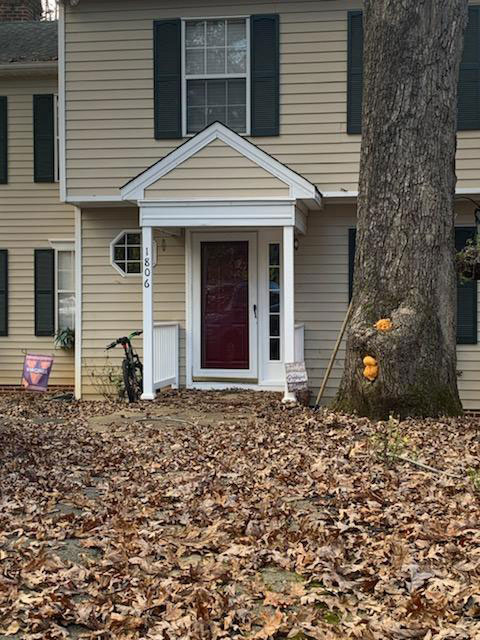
207	515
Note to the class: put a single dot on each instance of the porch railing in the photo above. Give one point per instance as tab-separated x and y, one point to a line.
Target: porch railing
299	342
165	354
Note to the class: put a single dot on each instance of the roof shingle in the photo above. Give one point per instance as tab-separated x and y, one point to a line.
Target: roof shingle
28	42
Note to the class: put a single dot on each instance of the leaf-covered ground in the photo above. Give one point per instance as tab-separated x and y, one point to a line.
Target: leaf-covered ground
230	515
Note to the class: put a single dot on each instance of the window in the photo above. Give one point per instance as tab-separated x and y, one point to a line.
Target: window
65	289
126	252
216	74
274	299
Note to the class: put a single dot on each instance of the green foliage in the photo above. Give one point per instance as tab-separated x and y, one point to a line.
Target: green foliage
474	477
65	339
108	381
468	260
390	441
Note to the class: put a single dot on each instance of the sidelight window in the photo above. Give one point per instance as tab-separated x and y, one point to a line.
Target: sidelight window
274	300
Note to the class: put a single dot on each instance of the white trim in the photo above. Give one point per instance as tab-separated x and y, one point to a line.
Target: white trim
63	249
148	283
271	372
328	195
183	92
289	301
340	194
299	186
221	76
65	245
222	17
95	201
112	251
78	303
189	311
467	191
248	114
56	134
241	386
62	103
218	213
62	244
197	371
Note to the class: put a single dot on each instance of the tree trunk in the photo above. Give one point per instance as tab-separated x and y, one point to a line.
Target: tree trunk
404	262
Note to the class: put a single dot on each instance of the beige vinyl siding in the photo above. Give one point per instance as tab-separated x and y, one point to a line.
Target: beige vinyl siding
321	290
112	304
321	299
109	65
217	171
30	215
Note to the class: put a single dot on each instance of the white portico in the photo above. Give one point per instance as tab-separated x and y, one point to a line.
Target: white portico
239	210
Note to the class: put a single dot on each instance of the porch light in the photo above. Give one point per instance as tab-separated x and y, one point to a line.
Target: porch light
296	244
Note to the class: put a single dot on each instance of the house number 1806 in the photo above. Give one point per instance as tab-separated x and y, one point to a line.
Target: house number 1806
146	270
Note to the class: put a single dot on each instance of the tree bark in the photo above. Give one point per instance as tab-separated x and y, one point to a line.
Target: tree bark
404	262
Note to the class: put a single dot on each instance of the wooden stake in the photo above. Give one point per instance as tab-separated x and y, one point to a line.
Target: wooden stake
333	356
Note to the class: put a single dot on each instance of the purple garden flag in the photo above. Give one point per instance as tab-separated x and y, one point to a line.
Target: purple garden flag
36	372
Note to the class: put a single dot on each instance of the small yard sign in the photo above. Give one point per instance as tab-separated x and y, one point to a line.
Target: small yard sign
36	372
296	375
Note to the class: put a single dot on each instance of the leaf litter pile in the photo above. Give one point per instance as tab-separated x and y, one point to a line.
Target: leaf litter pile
229	515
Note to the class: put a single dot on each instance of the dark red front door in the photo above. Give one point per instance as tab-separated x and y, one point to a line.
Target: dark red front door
225	305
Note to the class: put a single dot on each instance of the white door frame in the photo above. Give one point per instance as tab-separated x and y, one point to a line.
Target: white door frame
248	375
271	373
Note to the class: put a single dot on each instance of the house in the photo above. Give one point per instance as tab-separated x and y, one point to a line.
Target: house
211	156
37	229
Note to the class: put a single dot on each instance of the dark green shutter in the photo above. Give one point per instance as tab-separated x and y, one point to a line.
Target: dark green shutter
469	80
167	47
44	138
265	74
355	72
3	140
44	292
466	296
3	292
352	234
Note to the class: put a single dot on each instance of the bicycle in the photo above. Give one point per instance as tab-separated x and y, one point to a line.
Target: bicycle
132	368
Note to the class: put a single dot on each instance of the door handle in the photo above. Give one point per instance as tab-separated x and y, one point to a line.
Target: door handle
255	311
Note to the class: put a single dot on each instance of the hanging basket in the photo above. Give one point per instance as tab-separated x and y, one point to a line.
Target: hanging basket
468	261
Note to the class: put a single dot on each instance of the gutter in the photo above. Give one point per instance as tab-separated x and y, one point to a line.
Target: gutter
19	68
353	195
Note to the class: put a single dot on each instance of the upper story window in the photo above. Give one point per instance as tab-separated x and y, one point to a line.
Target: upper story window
216	83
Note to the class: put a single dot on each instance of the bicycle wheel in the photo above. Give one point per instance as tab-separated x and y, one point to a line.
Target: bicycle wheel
132	386
138	367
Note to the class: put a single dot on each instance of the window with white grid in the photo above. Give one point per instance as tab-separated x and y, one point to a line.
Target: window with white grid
216	74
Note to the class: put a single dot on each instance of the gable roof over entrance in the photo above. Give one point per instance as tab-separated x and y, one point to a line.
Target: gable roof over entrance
298	187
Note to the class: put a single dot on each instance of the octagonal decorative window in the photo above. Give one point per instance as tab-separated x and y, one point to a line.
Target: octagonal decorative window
126	252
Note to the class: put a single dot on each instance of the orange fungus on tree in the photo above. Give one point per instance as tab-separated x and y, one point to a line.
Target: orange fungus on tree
371	368
384	324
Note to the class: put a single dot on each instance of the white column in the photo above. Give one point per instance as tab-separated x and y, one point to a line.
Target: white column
147	243
78	303
288	302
